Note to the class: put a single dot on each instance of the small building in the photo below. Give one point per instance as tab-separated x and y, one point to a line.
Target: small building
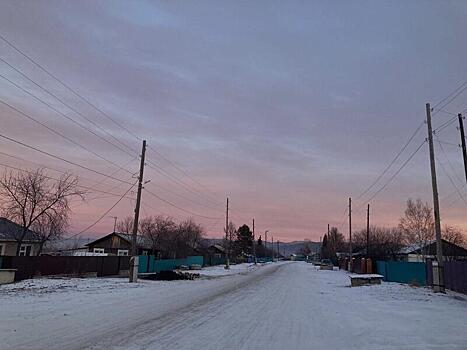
9	232
117	243
420	252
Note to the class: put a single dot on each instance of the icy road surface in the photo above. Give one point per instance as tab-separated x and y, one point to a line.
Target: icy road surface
277	306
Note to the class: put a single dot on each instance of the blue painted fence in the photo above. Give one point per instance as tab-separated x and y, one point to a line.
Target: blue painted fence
148	263
403	272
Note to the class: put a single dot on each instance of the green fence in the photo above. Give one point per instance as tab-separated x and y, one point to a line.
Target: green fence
148	263
403	272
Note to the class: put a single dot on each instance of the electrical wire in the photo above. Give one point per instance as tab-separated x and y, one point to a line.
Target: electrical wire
392	162
103	215
397	172
62	159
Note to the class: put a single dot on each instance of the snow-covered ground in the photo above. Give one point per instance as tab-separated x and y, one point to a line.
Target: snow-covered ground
219	270
275	306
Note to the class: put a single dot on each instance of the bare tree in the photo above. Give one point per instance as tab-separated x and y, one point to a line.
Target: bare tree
125	225
29	196
417	224
50	227
384	242
158	229
453	235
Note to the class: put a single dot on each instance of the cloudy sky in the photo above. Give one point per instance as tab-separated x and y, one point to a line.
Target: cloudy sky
287	107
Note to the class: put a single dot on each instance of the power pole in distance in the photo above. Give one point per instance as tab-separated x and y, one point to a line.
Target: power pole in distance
227	234
134	251
464	152
350	234
438	287
254	243
368	231
272	246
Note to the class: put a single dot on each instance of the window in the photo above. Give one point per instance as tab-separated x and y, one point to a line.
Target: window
99	250
25	250
122	252
145	252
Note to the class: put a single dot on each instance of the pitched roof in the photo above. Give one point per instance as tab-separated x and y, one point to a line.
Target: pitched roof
141	241
9	231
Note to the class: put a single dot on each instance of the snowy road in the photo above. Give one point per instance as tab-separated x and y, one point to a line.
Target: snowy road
278	306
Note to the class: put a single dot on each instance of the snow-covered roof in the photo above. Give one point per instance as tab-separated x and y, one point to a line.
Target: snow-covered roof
415	247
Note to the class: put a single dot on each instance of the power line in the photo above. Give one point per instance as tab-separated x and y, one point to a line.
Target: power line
452	182
460	89
447	158
55	179
392	162
103	215
63	159
67	86
174	165
397	172
59	133
180	208
69	107
82	98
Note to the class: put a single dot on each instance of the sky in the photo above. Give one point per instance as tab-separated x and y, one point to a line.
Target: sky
287	108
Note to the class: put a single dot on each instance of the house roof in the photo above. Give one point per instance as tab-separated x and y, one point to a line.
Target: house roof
141	241
9	231
430	247
218	247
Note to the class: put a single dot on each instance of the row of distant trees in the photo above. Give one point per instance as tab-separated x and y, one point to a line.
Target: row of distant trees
416	226
168	238
239	242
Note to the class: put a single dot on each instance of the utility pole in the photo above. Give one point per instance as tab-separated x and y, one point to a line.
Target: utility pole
438	287
266	244
134	251
464	152
254	243
272	246
350	235
227	234
368	231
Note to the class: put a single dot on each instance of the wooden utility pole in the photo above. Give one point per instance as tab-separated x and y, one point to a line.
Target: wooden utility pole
464	152
134	250
368	231
254	243
350	234
272	246
227	235
439	287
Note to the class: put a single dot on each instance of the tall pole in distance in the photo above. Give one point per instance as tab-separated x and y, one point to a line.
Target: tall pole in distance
439	248
134	251
227	234
254	243
464	152
350	234
368	231
272	246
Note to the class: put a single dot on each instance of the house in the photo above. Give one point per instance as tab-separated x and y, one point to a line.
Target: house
9	231
421	251
117	243
217	251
